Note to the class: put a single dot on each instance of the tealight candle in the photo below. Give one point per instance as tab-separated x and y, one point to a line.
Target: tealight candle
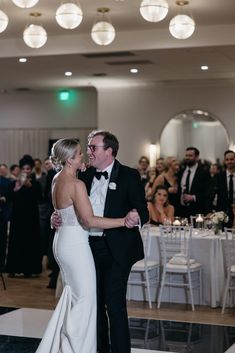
176	223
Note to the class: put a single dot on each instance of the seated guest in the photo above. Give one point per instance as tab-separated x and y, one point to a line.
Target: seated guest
159	208
169	179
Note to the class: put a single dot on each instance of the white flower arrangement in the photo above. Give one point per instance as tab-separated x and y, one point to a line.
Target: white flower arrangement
218	217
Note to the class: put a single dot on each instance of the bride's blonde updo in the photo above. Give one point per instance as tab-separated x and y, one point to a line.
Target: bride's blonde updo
62	150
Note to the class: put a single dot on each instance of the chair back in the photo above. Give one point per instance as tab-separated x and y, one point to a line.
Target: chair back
229	249
175	241
145	235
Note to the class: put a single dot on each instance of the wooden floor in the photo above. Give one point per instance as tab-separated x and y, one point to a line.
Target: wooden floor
32	293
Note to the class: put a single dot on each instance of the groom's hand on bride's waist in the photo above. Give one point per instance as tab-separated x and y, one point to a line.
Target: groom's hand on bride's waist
56	220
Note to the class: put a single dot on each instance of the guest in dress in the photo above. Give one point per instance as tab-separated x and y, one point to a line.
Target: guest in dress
24	255
159	208
169	179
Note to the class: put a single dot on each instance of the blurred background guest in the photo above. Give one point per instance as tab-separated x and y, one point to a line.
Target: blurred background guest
149	185
14	172
52	264
5	209
169	179
159	208
24	255
143	168
160	167
225	187
193	185
4	170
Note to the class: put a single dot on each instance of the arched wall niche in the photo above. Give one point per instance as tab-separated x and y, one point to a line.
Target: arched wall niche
198	128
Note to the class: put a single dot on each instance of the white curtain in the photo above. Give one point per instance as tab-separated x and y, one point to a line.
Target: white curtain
14	143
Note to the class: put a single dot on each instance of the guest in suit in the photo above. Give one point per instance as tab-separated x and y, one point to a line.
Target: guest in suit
225	187
5	210
193	185
4	170
159	208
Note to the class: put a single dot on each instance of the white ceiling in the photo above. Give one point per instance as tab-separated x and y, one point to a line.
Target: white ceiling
168	59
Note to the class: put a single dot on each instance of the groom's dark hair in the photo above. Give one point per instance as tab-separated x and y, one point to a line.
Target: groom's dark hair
110	140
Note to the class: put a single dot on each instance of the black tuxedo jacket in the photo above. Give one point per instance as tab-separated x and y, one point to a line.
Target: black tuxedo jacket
223	203
199	188
125	193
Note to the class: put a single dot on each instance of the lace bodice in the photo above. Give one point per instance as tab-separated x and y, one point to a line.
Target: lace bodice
68	216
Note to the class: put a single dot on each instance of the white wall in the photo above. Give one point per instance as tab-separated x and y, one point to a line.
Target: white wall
138	115
44	110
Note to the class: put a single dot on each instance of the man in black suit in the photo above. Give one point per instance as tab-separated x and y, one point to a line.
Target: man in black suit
113	194
225	187
193	185
5	210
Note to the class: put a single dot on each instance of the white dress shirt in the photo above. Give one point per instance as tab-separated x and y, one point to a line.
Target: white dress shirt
98	196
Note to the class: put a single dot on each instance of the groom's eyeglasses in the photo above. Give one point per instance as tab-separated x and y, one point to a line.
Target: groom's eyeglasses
93	148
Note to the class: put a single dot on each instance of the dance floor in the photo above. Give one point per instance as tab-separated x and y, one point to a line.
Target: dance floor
22	329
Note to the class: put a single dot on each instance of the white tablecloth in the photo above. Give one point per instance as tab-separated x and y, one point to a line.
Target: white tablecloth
207	249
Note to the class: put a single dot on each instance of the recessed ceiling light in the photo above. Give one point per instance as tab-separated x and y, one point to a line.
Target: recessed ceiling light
68	73
22	60
134	71
204	67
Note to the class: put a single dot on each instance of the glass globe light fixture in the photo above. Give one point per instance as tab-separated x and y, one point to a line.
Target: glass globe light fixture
103	32
25	4
69	15
3	21
154	10
35	36
182	26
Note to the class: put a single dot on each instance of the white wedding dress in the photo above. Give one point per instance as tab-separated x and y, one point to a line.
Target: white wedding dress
72	327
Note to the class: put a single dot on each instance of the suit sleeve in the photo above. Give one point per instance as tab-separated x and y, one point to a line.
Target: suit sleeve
136	196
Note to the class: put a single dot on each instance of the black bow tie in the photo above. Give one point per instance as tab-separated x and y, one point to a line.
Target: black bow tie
99	174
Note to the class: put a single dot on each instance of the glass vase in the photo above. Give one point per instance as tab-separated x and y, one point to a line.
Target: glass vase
218	228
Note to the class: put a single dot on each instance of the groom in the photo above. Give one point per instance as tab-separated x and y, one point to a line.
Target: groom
114	190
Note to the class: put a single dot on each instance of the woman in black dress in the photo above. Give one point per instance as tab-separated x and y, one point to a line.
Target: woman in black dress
24	254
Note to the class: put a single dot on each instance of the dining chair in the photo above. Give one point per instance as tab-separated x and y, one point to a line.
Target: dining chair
145	272
175	250
229	252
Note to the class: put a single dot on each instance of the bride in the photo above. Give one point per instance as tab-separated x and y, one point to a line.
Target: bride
72	327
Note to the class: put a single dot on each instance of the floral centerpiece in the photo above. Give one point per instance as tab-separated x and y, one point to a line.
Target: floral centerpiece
217	219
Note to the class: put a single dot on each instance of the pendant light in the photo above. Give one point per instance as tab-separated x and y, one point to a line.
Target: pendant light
35	36
103	32
182	26
3	21
154	10
69	15
25	4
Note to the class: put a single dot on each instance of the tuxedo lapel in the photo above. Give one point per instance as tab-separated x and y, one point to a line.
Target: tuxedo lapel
111	193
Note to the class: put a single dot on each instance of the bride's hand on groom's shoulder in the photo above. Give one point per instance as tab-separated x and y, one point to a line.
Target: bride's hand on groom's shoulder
132	219
56	220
